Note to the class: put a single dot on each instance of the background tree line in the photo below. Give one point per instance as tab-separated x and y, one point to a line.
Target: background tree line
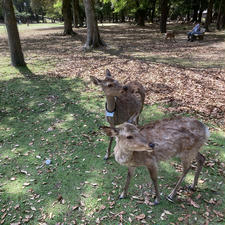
135	11
78	13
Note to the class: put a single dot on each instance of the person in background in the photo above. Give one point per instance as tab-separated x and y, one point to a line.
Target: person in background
195	30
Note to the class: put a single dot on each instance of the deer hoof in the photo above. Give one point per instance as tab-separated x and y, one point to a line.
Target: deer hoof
106	157
122	196
170	199
156	201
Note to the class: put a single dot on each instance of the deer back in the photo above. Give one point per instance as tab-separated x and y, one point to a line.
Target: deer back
137	89
127	105
179	136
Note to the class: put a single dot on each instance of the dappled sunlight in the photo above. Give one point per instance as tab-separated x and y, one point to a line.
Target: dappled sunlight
150	113
15	187
189	177
166	166
54	208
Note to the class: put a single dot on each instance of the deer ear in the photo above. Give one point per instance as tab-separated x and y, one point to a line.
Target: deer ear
95	80
109	131
108	74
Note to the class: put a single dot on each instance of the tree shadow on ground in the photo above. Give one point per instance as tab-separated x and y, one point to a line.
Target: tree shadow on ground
47	118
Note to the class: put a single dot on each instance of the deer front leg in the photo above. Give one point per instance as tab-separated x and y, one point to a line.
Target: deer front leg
107	155
129	175
153	174
200	161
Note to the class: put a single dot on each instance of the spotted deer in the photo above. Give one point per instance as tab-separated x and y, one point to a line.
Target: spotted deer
159	141
123	103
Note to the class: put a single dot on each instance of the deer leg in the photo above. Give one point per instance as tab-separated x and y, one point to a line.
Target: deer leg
200	161
186	168
153	174
109	148
129	175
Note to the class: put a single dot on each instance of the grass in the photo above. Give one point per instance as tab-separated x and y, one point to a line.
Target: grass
24	27
45	117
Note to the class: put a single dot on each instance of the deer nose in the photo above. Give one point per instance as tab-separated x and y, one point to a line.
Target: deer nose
151	145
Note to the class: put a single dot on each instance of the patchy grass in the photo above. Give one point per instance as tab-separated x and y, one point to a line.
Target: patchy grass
34	26
50	111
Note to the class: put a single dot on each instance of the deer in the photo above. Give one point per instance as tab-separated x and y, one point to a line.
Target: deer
170	35
123	102
159	141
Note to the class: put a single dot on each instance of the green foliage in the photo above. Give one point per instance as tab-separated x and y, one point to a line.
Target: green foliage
54	10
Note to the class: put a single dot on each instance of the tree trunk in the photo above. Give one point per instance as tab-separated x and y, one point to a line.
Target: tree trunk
209	15
140	17
122	15
200	16
196	5
164	14
17	58
219	22
93	36
76	13
67	16
152	16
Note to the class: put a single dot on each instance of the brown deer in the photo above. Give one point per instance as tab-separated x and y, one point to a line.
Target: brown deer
158	141
170	35
123	103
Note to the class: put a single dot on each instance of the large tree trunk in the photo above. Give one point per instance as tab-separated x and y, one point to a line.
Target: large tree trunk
140	17
152	15
93	36
67	16
196	5
17	57
76	13
164	14
221	13
140	14
200	15
209	15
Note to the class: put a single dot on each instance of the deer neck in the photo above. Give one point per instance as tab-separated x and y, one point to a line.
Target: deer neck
123	156
110	103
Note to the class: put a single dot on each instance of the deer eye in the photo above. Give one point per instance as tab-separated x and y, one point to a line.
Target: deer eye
109	85
129	137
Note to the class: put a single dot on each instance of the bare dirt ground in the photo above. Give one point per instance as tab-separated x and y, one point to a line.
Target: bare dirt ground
189	77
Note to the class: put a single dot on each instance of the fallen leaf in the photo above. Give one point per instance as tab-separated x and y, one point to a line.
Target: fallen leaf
194	203
140	217
180	219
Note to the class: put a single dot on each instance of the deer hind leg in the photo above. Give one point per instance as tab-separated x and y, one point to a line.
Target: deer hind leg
107	155
153	174
129	176
186	168
200	161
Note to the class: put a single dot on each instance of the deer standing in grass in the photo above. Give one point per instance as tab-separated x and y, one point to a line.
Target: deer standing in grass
158	141
123	103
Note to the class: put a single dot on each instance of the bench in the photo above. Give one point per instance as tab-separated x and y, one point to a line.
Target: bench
199	36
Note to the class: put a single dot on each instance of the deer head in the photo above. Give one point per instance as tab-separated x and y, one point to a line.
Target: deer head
110	86
129	138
